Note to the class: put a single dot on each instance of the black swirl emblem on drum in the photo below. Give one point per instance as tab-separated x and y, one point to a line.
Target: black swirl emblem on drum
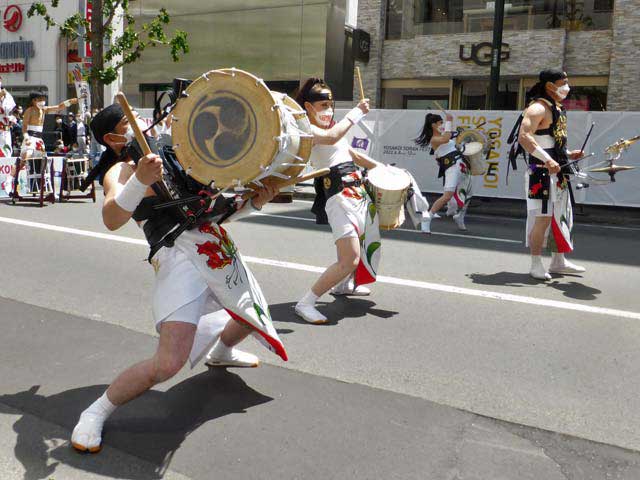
222	128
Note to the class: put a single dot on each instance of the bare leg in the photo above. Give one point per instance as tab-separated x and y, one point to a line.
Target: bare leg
536	241
537	235
234	333
441	202
348	258
176	340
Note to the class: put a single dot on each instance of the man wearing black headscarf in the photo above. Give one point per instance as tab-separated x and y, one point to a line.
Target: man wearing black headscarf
205	298
543	135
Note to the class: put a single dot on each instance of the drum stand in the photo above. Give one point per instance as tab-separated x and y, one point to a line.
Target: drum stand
41	181
72	178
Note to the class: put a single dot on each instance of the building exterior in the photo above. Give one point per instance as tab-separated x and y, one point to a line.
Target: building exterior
436	53
34	58
280	41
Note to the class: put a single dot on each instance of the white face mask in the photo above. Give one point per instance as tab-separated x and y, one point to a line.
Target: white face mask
563	91
324	117
40	104
441	129
128	136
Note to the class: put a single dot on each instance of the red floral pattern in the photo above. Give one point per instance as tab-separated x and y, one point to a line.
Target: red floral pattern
220	253
535	188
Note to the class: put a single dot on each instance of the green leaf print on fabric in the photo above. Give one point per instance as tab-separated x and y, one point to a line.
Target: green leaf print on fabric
260	313
372	211
371	249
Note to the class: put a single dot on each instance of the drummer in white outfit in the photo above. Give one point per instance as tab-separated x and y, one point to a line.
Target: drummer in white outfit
182	293
452	166
331	150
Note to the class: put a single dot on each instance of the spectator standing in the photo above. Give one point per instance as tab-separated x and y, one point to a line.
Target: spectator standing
73	129
82	135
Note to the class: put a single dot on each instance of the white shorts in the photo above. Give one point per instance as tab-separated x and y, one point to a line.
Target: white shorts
180	293
341	225
452	177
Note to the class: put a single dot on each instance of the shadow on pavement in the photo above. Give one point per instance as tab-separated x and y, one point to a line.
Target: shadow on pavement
151	427
339	309
571	289
595	244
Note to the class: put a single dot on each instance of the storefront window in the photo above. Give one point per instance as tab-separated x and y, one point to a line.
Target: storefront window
462	16
425	102
587	98
473	95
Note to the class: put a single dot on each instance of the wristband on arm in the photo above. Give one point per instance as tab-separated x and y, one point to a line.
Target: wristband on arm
130	196
540	154
355	115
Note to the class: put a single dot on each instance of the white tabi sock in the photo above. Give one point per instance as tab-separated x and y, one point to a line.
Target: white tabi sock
309	298
557	259
87	435
220	350
102	407
536	260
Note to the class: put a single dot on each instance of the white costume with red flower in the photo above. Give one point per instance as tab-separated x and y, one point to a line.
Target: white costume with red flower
6	119
351	213
33	146
205	261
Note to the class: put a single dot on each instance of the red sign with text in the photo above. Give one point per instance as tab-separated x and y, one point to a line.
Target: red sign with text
12	67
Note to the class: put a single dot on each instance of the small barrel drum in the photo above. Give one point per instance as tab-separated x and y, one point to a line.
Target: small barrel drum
388	187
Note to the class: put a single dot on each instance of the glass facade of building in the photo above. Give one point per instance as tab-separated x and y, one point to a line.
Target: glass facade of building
430	17
281	41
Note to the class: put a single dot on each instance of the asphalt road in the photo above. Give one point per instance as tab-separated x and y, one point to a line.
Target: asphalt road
457	367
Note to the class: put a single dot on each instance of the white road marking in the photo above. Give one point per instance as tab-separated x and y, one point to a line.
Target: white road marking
442	234
381	279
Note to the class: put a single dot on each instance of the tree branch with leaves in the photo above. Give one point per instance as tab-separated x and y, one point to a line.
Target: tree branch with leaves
124	48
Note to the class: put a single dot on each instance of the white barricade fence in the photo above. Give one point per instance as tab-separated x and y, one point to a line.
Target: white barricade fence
388	136
7	163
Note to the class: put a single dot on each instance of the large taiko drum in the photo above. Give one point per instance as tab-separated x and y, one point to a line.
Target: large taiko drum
388	187
231	130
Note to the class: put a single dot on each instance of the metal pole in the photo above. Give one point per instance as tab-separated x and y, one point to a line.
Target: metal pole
496	52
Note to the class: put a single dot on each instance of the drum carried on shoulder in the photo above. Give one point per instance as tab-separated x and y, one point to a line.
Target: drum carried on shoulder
230	131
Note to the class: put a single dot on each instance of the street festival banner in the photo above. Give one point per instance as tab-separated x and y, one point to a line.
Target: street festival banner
82	92
388	136
5	169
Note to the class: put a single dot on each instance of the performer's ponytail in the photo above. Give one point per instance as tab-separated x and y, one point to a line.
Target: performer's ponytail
427	130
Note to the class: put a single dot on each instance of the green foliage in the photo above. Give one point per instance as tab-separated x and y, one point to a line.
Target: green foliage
123	49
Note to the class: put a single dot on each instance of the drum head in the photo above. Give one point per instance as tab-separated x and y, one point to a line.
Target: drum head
472	148
225	129
389	178
469	136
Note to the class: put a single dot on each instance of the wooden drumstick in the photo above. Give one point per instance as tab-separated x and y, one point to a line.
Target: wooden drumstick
122	100
287	183
440	107
359	78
